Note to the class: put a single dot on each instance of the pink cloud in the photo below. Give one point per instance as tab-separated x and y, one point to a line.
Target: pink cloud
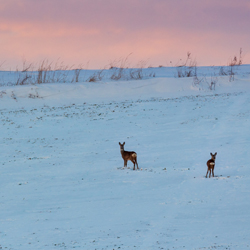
99	31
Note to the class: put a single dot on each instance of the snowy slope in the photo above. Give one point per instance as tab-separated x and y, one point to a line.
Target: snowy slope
63	185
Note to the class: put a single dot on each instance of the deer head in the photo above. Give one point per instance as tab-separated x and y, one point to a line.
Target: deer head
213	156
122	145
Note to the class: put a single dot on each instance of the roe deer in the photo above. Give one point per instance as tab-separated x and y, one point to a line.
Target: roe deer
211	164
128	155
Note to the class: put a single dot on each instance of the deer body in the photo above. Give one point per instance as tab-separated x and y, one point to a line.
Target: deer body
210	165
128	155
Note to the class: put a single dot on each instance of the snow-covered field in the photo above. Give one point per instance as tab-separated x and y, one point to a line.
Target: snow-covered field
62	181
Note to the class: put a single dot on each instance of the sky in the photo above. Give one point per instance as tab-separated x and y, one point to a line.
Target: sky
102	33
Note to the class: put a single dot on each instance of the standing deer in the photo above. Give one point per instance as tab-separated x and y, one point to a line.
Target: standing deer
211	164
128	155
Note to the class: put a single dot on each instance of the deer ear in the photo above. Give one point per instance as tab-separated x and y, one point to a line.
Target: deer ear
123	143
211	154
215	153
119	143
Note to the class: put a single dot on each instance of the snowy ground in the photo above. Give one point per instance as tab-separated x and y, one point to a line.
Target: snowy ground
62	181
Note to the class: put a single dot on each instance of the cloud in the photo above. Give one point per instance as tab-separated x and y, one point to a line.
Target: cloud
130	14
95	29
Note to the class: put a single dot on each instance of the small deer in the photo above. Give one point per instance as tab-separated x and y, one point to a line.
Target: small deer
128	155
211	164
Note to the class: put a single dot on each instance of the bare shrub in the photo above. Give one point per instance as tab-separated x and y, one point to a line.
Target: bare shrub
233	63
77	74
136	74
222	72
210	83
231	71
43	69
100	74
152	74
92	78
13	96
118	68
97	76
188	68
48	73
22	79
34	96
231	74
197	81
236	61
122	71
120	63
27	66
117	74
2	93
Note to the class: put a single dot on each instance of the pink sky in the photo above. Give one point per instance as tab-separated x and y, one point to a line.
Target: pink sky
96	33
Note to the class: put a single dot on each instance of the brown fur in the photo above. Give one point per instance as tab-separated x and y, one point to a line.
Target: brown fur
211	165
128	155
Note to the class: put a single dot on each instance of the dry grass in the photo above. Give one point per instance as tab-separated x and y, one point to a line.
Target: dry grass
210	83
45	72
118	67
97	76
233	63
23	79
188	68
76	74
121	70
27	66
236	61
58	72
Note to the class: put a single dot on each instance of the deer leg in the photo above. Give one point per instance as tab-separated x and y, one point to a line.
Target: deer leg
133	163
213	171
136	163
207	172
125	163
